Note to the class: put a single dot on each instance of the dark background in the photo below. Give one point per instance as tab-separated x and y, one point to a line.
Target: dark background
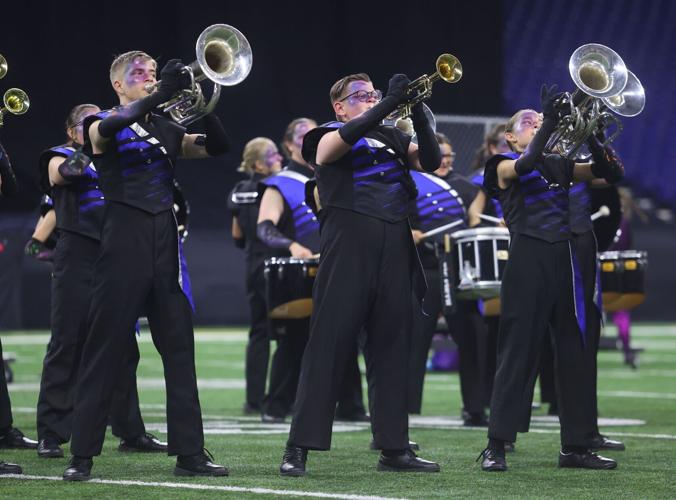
60	55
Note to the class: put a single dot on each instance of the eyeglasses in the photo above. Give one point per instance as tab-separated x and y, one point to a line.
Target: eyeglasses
451	156
364	96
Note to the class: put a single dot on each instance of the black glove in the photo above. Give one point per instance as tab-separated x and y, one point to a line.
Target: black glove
268	233
557	170
548	101
397	88
38	250
173	78
75	167
216	141
607	164
429	153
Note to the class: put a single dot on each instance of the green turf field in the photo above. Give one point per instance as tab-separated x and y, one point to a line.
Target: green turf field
638	407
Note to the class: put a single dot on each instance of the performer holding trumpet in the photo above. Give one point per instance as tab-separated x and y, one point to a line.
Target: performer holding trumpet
368	265
134	152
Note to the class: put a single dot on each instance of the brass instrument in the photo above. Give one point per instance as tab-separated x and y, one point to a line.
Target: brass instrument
406	124
603	84
449	70
224	57
15	100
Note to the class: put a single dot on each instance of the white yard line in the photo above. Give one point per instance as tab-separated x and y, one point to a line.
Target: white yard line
208	487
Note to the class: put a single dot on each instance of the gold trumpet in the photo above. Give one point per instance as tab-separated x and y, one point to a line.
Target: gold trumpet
449	70
15	100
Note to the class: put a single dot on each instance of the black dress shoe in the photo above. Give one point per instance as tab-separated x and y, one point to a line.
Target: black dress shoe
145	443
251	409
493	461
407	461
14	438
271	419
49	448
6	468
412	445
293	461
79	469
601	442
587	460
474	419
198	465
509	447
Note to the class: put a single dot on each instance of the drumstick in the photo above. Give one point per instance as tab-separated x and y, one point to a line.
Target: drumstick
490	218
441	229
604	211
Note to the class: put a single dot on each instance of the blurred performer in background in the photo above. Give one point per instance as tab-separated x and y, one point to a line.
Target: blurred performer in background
10	437
72	182
541	286
369	267
287	226
134	152
443	198
260	160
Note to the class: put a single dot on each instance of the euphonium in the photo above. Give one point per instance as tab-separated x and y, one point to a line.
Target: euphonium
603	84
449	70
15	100
224	57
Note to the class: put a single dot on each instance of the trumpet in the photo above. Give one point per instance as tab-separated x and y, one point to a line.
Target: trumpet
224	57
448	69
15	100
406	124
603	84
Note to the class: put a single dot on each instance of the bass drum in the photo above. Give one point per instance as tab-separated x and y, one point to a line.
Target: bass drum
605	228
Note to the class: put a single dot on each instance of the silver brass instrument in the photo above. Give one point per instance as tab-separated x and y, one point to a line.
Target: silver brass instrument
15	100
604	84
449	70
406	124
224	57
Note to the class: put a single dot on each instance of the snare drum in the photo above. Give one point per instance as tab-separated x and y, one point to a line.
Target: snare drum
623	279
288	287
479	258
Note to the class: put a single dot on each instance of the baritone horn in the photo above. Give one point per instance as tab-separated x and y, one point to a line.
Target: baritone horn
448	69
15	100
603	84
224	57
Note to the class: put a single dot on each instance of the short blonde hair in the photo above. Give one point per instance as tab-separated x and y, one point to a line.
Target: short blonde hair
253	151
121	62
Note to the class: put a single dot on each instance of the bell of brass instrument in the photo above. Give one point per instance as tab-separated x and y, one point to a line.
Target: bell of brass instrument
449	70
224	57
15	101
603	84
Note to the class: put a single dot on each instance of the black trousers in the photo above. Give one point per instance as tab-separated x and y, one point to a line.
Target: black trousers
470	335
536	292
258	346
72	276
364	281
5	404
137	270
292	337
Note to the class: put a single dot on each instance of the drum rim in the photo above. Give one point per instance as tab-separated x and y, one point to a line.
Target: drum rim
483	232
623	254
271	261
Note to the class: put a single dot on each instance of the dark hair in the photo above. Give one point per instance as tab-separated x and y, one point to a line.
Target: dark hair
288	135
494	137
339	87
75	115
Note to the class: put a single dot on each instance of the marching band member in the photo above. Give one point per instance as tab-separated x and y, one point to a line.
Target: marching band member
134	151
540	287
260	159
66	173
287	224
369	267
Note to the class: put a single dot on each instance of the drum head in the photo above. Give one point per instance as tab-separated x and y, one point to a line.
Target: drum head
605	228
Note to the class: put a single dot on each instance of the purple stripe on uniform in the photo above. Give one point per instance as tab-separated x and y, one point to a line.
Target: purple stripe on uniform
88	206
547	195
578	290
381	167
